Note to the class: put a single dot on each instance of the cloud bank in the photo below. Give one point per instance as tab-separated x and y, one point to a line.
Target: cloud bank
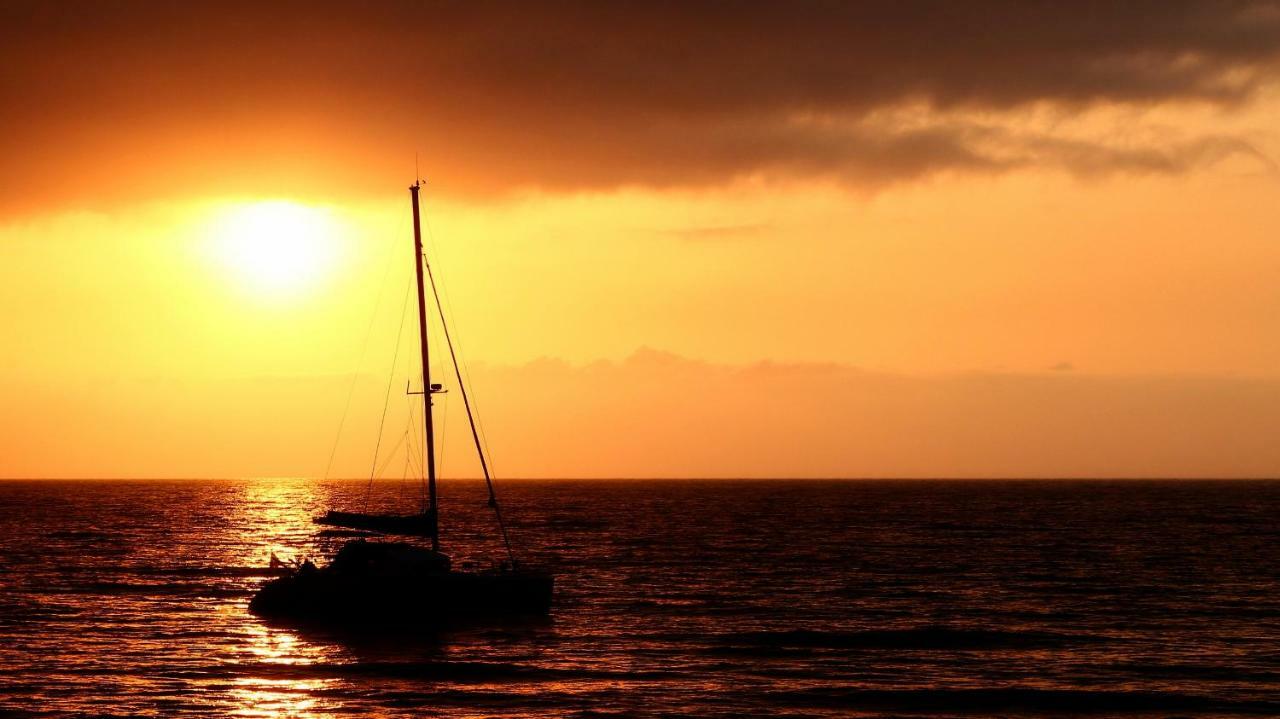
115	100
661	415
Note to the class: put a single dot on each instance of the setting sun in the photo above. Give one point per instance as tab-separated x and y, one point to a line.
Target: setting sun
276	247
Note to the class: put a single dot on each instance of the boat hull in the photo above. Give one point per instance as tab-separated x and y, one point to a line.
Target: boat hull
431	598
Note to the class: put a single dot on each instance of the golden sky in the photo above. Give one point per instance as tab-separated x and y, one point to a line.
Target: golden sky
677	239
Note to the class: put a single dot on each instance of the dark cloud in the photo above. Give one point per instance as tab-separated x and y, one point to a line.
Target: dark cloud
104	100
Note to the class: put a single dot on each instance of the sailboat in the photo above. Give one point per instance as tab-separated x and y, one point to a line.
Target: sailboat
377	580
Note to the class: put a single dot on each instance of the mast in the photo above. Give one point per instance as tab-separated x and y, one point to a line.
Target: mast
427	389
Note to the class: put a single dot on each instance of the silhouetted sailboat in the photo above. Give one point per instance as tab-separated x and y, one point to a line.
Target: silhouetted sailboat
379	581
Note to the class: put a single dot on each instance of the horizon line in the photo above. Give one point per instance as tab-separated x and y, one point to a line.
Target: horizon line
1001	478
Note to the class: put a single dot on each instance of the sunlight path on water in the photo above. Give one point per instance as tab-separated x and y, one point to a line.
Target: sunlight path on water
718	599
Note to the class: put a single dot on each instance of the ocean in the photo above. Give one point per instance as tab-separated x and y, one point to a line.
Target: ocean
673	598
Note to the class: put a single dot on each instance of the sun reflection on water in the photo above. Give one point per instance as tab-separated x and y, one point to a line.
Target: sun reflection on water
276	646
271	649
276	516
273	516
277	698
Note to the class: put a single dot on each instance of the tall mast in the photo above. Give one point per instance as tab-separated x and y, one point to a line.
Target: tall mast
432	519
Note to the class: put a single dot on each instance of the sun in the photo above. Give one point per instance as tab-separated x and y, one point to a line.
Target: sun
276	247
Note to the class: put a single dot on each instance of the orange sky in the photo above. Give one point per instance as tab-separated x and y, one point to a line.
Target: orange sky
677	240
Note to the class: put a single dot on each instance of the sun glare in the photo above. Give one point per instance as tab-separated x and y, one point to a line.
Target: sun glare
277	247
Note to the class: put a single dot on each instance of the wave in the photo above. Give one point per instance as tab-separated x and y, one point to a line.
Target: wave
124	570
1017	699
130	588
455	671
919	638
207	571
78	534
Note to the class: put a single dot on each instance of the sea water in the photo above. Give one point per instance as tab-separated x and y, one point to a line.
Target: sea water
673	598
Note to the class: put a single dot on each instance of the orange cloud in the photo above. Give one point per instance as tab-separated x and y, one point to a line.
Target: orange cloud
120	100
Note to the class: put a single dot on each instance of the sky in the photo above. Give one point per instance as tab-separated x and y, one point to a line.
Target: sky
695	239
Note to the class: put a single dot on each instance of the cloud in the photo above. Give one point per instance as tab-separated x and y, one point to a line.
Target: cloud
111	100
659	414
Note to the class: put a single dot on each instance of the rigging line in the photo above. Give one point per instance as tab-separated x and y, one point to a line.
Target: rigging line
413	454
391	453
475	435
424	495
377	447
403	477
444	426
477	428
364	349
404	473
408	425
416	462
464	378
